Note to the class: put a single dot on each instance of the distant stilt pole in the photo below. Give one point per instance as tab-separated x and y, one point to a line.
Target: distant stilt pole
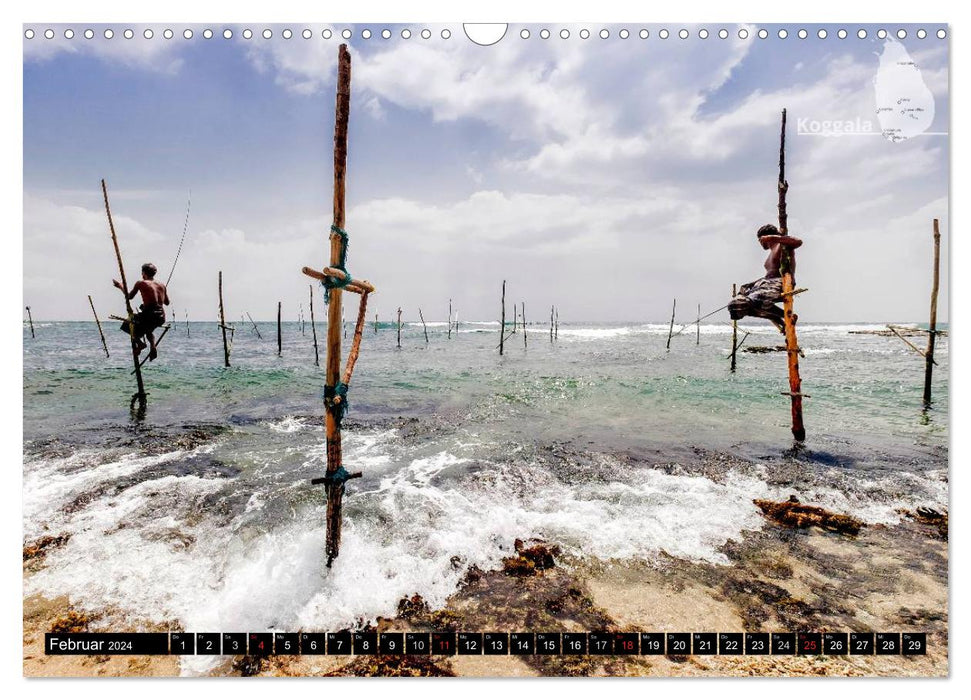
104	343
186	323
449	319
399	327
734	332
343	323
523	307
313	327
932	326
556	326
515	318
222	321
303	324
502	321
279	329
30	320
551	324
255	327
140	395
424	327
698	327
375	324
671	329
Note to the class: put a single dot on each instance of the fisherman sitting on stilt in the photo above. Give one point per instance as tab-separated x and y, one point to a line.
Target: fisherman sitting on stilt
152	314
759	298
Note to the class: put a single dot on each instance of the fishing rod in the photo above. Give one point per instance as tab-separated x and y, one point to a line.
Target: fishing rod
185	230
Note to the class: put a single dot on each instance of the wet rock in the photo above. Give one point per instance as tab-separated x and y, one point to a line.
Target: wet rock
249	665
413	607
73	621
530	559
39	547
929	516
792	513
410	666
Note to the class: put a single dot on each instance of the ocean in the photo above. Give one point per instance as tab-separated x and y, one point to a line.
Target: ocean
202	513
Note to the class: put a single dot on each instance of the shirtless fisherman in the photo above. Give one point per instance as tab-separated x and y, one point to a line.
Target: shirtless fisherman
759	298
152	314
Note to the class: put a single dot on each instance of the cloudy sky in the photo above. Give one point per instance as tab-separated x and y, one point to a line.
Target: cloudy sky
605	176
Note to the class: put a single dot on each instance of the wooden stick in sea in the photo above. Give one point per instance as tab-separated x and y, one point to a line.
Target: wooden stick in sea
788	287
399	327
424	327
343	323
30	321
698	327
140	394
186	323
551	324
279	329
303	324
375	324
523	307
502	321
222	321
556	326
734	332
313	327
515	318
932	326
671	329
449	319
255	327
157	343
104	343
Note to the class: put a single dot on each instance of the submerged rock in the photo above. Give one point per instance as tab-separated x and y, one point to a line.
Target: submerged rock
529	560
39	547
792	513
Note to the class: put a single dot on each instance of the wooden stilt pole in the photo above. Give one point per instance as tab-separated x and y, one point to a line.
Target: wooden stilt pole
932	326
523	307
30	321
375	324
255	327
104	343
788	286
186	323
551	324
556	327
449	319
279	329
222	321
671	329
698	327
424	327
399	327
502	321
303	330
313	327
140	395
515	318
734	332
335	488
343	324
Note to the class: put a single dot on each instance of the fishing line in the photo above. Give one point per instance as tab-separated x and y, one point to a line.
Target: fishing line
185	230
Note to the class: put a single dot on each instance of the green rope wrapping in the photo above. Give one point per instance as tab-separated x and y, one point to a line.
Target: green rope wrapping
338	478
336	282
339	408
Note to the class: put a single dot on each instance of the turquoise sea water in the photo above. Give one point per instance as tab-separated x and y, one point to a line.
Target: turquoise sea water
603	441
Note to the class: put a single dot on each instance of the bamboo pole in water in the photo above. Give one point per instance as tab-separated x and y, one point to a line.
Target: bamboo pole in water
449	319
932	326
698	327
788	285
279	329
556	326
502	320
104	343
523	307
671	329
515	318
375	323
222	321
424	327
255	327
140	395
734	332
313	327
399	327
30	320
551	324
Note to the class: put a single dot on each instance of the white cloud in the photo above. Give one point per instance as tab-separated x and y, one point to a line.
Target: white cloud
156	54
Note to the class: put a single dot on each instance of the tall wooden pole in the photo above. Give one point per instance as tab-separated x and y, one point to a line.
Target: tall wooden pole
313	327
734	331
30	320
186	323
375	324
399	327
502	319
671	328
303	325
556	326
551	324
140	395
255	327
788	285
515	318
932	326
335	488
698	327
222	321
104	343
424	327
523	307
279	329
449	319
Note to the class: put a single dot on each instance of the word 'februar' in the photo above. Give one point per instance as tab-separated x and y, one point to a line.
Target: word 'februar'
805	125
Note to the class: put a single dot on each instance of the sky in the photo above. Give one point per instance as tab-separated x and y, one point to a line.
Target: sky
603	176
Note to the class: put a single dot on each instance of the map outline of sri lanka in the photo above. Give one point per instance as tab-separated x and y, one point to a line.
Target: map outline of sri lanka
904	103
